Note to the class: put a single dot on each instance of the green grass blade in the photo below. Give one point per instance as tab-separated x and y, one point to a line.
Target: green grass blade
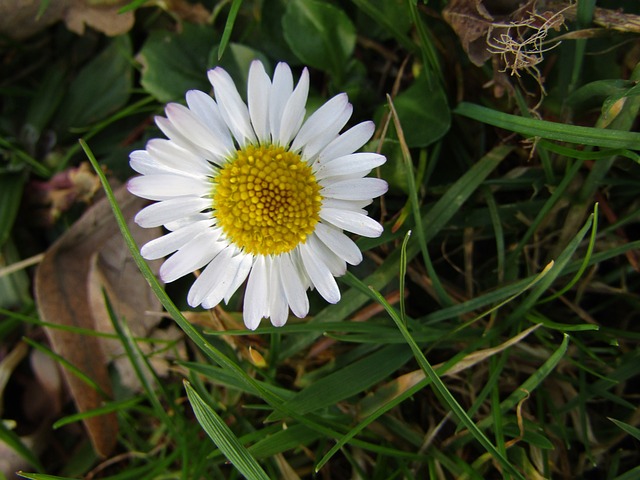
42	476
228	27
73	369
224	438
110	407
531	127
531	383
632	474
630	429
556	270
443	297
585	262
441	388
348	381
11	186
13	441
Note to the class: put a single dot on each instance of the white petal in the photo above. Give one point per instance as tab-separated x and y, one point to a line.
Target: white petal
169	243
190	126
170	130
233	110
170	210
207	111
296	261
349	141
352	222
258	90
339	243
321	140
177	158
281	90
196	253
188	220
256	305
164	187
319	274
294	110
246	263
293	286
358	189
352	205
141	162
214	278
348	165
225	280
320	120
335	264
278	306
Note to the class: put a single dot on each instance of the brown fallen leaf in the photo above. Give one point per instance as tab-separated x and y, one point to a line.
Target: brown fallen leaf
20	19
477	22
63	284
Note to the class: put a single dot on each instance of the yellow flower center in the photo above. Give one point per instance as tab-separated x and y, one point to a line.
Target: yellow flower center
266	200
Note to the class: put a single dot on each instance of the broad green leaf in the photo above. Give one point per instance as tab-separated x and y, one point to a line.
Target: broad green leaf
423	112
48	98
320	35
223	437
102	87
173	63
384	19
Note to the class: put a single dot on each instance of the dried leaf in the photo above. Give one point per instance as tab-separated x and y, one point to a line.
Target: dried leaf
63	286
20	19
104	17
474	22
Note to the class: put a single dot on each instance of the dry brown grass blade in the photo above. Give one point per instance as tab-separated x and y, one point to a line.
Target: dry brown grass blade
62	288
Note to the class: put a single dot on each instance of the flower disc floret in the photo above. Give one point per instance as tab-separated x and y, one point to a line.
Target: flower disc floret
266	200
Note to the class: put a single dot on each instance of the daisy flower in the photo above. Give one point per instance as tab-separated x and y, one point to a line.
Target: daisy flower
251	191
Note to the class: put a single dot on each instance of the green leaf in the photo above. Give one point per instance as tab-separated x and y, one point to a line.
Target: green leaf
385	19
223	437
173	63
424	113
102	87
320	35
531	127
48	98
